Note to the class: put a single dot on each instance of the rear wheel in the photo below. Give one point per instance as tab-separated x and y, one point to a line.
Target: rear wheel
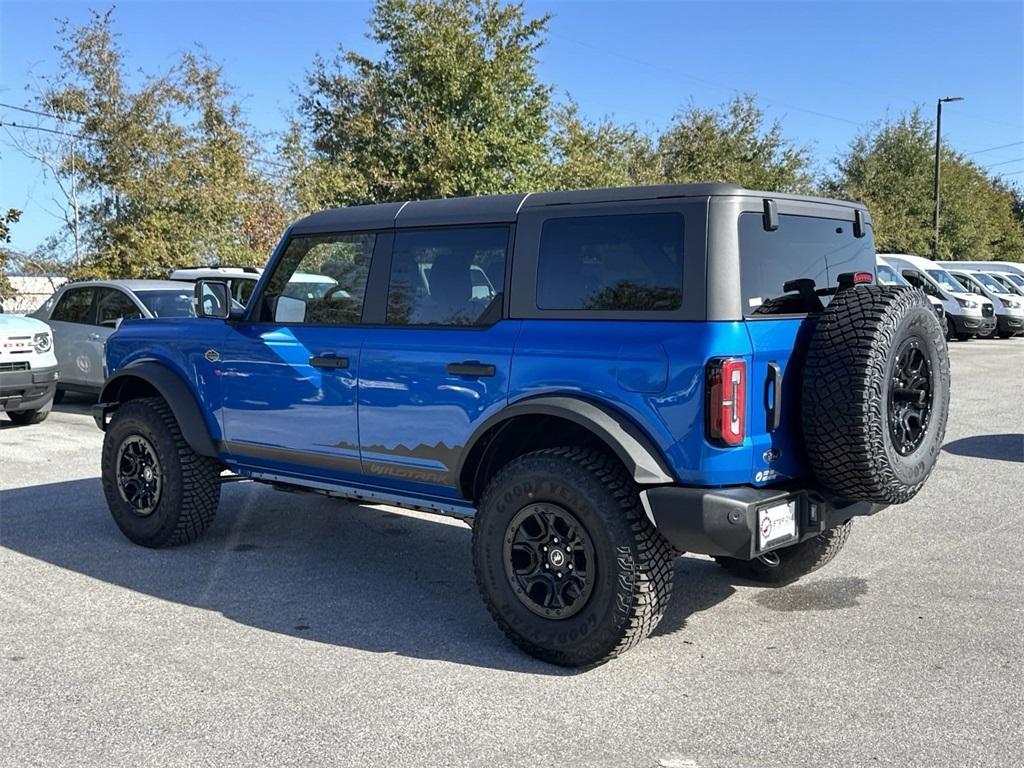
159	491
567	563
782	566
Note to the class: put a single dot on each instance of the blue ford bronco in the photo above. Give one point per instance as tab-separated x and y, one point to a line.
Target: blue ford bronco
597	380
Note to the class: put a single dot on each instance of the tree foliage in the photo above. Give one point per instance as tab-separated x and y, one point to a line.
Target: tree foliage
588	154
165	165
891	168
733	143
452	107
6	220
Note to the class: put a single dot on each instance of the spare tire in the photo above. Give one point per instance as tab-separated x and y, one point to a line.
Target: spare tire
875	393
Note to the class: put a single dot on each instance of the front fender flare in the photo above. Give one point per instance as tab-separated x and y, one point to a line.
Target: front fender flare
173	389
635	450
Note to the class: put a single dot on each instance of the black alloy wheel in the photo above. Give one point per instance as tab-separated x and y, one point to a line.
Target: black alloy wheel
910	397
139	478
549	561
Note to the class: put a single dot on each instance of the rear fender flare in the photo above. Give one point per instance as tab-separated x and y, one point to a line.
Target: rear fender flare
637	452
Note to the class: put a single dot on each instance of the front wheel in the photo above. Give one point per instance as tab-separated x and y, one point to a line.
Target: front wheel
567	563
34	416
782	566
159	491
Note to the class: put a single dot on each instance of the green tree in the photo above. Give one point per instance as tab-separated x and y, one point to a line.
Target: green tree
6	220
164	167
891	168
587	154
734	144
452	107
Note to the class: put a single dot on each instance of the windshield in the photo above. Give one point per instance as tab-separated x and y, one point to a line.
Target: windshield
989	282
888	276
1018	279
168	303
943	278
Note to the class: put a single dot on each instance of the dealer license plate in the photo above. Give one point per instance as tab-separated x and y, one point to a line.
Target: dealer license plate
776	523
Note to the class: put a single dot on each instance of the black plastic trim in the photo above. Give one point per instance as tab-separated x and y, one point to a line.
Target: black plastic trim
174	391
723	521
637	452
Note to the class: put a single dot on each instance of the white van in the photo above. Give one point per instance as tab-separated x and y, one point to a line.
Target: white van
1009	305
1007	272
28	369
967	315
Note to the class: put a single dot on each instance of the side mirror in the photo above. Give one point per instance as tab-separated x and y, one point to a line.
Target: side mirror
212	299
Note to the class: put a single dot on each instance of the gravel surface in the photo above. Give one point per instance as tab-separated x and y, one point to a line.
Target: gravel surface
305	631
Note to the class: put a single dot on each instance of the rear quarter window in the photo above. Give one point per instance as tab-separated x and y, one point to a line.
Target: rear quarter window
802	248
612	262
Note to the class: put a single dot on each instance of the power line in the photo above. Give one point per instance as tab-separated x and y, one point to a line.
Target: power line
992	149
1006	162
11	124
41	114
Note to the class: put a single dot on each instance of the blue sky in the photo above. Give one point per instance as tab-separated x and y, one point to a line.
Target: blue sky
826	70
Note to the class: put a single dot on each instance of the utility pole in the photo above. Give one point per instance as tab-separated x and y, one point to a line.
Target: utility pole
938	166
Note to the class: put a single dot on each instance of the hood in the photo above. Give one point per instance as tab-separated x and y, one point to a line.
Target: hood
16	325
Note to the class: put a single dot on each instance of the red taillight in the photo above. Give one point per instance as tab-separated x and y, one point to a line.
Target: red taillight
863	277
727	401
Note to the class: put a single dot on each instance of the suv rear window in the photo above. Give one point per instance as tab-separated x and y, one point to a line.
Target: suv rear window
623	262
803	247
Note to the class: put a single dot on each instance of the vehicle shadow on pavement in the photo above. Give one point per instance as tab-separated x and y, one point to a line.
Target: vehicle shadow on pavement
324	570
1004	447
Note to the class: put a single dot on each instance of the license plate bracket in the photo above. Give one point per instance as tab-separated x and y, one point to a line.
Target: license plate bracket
776	525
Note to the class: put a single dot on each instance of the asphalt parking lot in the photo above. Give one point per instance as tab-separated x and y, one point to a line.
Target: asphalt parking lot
306	631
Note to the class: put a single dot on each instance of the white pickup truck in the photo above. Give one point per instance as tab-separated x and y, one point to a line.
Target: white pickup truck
28	369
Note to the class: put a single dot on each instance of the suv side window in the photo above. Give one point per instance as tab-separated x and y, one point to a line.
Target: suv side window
612	262
803	247
319	280
452	276
74	306
114	305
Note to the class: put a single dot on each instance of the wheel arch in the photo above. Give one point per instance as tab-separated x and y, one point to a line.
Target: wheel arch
581	419
150	378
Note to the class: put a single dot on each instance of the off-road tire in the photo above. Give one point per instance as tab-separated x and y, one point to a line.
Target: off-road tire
35	416
190	489
848	374
633	574
795	561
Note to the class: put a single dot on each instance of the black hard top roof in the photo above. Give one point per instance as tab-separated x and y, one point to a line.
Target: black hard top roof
497	209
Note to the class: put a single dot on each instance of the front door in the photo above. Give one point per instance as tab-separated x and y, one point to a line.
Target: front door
289	371
440	365
73	323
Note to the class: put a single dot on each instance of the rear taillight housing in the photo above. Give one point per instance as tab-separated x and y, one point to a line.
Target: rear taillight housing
726	401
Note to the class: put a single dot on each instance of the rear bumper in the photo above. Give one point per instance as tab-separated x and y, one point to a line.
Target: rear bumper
724	521
27	390
973	324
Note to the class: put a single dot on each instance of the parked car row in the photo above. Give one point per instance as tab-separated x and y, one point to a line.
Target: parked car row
977	299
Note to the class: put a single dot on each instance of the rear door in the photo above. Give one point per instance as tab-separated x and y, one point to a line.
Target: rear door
814	244
438	364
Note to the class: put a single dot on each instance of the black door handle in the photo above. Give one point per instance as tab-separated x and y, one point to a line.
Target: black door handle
773	396
470	368
328	361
